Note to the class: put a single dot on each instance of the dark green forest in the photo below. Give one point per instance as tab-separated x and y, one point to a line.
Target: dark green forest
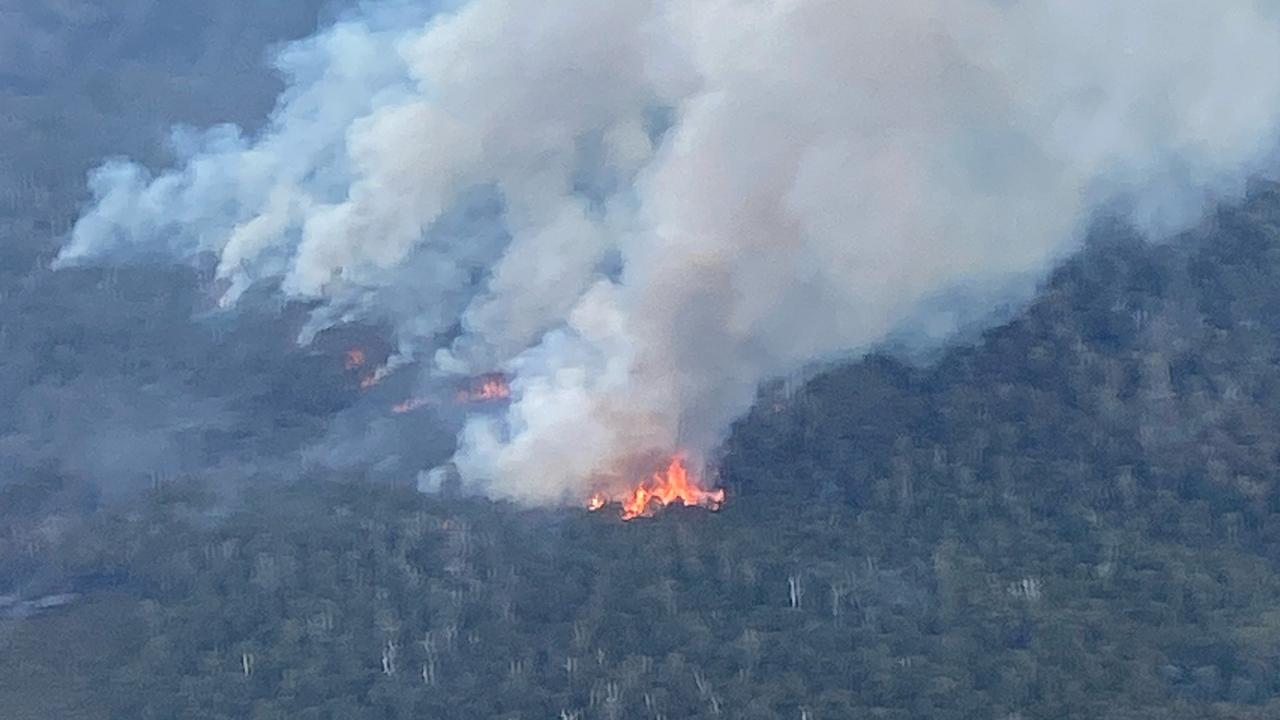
1075	515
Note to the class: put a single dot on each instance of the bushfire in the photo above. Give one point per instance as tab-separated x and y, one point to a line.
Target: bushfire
356	360
669	486
484	389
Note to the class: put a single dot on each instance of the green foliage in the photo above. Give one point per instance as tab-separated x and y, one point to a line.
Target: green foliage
1074	517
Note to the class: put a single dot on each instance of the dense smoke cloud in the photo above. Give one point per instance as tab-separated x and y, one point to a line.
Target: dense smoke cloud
641	209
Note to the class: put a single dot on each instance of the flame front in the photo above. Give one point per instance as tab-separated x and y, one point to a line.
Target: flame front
372	379
486	389
357	360
668	486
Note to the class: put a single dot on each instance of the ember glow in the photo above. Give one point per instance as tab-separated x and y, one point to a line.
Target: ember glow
483	389
669	486
357	359
373	378
486	388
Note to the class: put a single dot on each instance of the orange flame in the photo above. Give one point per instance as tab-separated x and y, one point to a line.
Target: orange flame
487	389
376	377
666	487
357	358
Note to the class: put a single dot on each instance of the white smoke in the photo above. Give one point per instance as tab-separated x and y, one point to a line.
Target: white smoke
643	208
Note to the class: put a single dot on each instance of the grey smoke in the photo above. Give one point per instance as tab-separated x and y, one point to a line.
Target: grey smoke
641	209
108	383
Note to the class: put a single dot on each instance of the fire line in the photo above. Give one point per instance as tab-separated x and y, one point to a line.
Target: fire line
669	486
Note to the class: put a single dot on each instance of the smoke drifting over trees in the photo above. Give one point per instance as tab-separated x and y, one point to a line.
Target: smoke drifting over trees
643	209
115	378
634	212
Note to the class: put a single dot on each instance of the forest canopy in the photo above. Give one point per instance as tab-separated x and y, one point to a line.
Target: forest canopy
1076	515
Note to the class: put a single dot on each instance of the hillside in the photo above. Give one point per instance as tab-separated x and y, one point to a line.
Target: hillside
1076	515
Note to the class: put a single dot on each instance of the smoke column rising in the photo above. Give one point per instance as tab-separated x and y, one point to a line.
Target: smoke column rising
641	209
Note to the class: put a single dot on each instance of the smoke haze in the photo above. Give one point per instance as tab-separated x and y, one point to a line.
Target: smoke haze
113	379
642	209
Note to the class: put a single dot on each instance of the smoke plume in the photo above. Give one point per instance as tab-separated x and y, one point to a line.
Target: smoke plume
641	209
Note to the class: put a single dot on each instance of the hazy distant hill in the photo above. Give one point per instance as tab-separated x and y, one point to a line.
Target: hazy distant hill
81	80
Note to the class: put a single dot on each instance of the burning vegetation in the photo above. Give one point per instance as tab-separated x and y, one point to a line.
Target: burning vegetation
672	485
374	378
356	360
488	388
